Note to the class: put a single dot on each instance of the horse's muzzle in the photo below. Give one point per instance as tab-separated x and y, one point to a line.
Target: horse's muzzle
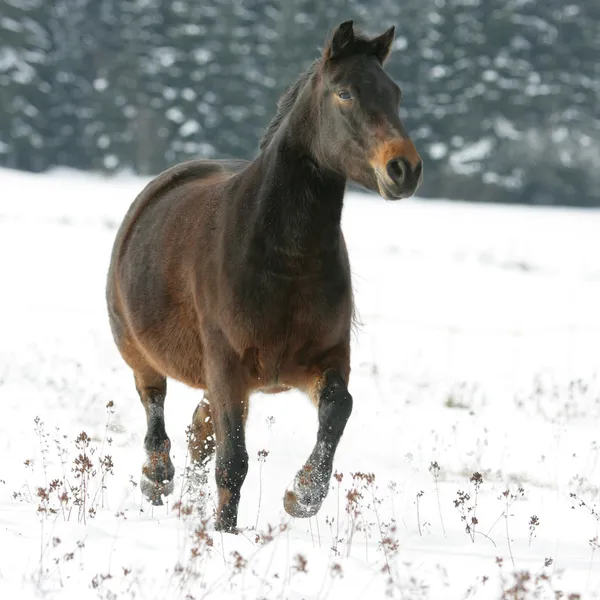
400	179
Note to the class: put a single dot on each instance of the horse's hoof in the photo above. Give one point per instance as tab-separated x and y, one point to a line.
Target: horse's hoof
226	528
154	491
297	509
309	491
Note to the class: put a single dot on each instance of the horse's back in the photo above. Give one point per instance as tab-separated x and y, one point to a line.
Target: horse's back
159	191
169	180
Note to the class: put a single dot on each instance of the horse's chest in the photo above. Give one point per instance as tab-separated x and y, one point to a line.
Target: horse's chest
298	324
301	308
289	316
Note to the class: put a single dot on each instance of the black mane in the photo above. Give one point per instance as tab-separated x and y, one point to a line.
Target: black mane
285	104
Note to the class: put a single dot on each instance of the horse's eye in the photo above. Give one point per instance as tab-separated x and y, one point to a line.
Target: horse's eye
345	95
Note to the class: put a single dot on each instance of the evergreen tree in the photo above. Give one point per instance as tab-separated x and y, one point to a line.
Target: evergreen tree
25	86
500	96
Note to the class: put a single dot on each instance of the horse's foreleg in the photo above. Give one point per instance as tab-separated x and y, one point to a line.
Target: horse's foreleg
158	471
311	483
231	463
228	394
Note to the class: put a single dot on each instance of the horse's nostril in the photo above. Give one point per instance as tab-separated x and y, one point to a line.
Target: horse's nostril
397	170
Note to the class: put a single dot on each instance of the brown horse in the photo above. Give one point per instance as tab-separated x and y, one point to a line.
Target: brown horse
233	276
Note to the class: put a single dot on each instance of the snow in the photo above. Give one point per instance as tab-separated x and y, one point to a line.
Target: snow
100	84
202	55
175	114
505	129
438	150
438	71
477	351
189	128
466	160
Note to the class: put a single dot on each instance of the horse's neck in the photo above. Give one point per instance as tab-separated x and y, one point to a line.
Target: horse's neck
299	204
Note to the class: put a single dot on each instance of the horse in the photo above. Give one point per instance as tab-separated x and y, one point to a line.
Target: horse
233	276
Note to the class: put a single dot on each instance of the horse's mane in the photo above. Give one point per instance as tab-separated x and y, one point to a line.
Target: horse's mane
285	104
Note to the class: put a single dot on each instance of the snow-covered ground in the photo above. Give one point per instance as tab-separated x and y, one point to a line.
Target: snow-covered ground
479	352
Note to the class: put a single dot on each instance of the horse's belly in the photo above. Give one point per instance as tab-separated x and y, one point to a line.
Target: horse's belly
174	350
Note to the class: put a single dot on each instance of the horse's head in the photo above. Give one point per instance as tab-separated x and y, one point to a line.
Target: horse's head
360	132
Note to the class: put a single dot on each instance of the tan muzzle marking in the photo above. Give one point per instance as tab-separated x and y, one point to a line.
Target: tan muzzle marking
398	148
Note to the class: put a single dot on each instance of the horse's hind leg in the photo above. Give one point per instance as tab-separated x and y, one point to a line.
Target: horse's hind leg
158	471
311	483
202	435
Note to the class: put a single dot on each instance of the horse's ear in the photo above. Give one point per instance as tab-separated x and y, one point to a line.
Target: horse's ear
383	44
342	38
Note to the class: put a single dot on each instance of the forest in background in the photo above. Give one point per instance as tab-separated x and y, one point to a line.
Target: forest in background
500	96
